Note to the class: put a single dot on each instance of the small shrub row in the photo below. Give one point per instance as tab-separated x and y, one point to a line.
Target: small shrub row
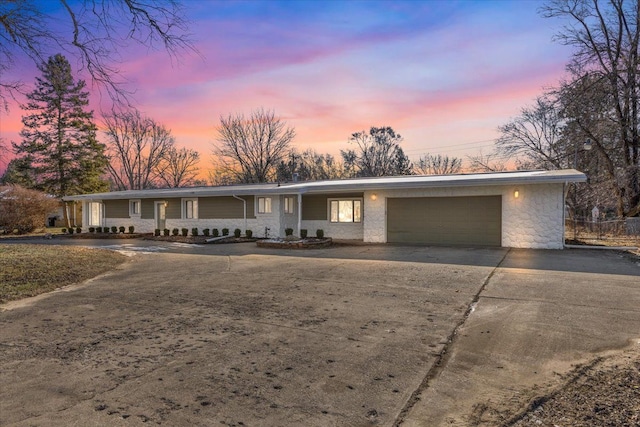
72	230
304	233
113	229
207	232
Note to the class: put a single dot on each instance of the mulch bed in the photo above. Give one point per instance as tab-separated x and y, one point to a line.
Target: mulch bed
294	244
198	239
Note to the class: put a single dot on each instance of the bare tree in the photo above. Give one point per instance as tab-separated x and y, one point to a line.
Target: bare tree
136	146
491	162
179	167
535	137
310	166
438	165
94	31
378	153
603	101
23	210
250	148
4	151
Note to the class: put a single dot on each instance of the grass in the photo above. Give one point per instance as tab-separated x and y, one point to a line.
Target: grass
29	270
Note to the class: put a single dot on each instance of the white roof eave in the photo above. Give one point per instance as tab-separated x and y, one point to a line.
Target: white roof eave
357	184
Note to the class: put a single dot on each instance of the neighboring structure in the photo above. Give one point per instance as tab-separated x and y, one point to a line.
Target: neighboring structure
511	209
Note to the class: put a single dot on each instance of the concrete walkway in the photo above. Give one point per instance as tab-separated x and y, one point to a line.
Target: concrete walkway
540	314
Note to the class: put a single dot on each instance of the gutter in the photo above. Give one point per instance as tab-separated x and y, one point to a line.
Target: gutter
356	184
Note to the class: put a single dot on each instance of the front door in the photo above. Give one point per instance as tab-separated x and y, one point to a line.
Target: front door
161	222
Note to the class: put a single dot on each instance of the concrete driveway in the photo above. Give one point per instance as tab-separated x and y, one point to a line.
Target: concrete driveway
364	335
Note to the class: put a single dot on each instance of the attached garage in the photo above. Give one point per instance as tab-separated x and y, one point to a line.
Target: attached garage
445	221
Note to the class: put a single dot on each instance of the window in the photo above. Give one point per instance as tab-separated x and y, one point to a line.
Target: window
134	207
264	205
346	210
189	208
94	214
288	205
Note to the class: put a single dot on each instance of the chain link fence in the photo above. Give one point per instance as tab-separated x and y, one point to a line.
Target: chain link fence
615	232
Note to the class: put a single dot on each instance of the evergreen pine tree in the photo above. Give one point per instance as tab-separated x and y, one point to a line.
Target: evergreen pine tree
19	172
59	135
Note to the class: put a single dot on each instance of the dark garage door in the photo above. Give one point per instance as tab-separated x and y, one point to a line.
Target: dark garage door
446	221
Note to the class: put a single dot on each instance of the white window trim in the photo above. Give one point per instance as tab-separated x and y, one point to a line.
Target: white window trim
265	202
133	214
183	207
338	199
291	202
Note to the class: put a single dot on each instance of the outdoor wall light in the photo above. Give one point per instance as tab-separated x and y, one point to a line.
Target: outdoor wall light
516	194
374	196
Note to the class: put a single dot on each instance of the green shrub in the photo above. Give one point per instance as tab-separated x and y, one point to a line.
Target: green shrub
248	233
165	232
98	229
78	230
205	232
237	232
156	232
288	231
131	229
215	232
64	231
175	231
92	229
70	230
121	229
225	231
194	231
320	233
185	231
303	233
114	229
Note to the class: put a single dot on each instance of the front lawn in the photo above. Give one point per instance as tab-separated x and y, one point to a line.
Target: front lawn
29	270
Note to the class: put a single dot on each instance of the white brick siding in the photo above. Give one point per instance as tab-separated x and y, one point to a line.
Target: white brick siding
533	220
351	231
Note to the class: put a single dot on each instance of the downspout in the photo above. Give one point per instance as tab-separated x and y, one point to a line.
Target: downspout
245	210
565	190
299	213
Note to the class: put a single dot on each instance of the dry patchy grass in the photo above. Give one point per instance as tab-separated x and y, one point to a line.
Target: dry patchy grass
29	270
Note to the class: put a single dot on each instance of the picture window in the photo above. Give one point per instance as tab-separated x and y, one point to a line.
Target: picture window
346	210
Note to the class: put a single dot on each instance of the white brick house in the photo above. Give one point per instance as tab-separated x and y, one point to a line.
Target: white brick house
510	209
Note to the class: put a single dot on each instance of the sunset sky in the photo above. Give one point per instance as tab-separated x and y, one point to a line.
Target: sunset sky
443	74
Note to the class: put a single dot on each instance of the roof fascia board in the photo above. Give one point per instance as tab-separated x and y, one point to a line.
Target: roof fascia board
560	177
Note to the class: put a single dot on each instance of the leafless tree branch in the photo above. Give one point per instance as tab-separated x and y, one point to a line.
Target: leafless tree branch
95	33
